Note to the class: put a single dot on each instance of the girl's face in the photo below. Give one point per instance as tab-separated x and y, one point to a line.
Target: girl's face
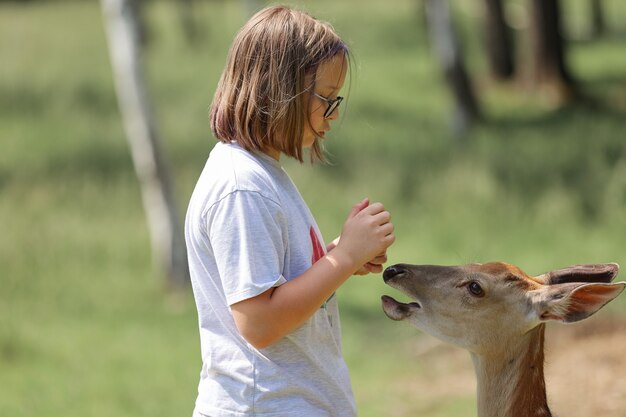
329	80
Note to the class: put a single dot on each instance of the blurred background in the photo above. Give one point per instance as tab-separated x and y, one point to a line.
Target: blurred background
492	130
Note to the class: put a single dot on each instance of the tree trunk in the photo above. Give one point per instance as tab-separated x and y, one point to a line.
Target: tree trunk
448	52
499	42
188	22
168	248
549	67
253	6
598	26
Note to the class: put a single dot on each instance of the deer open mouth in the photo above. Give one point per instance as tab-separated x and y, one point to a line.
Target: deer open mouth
396	310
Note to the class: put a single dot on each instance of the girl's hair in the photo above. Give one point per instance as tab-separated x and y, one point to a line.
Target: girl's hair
260	102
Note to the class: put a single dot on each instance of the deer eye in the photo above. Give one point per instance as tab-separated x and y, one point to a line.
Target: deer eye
475	289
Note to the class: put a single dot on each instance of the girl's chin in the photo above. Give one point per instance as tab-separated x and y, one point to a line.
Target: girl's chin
308	142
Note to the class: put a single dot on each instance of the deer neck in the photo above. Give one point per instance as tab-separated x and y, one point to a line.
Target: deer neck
510	380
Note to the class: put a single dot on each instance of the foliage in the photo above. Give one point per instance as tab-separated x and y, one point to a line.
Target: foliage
87	330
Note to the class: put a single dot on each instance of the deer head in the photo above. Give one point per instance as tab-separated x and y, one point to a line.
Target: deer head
480	306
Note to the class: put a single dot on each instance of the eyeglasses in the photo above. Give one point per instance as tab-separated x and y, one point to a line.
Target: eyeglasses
332	104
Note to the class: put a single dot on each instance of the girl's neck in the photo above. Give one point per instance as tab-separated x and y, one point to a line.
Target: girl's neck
511	382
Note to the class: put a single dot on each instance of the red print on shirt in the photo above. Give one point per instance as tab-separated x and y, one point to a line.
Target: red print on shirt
318	250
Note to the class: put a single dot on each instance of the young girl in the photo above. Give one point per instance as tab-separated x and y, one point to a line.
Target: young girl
263	281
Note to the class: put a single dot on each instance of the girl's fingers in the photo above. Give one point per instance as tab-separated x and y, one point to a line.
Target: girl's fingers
358	207
379	260
373	268
374	209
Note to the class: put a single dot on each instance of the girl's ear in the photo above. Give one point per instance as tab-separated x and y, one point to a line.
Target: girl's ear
575	301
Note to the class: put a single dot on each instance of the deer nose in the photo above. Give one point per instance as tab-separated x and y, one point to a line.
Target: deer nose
392	271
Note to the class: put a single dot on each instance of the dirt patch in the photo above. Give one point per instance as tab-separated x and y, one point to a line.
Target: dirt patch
585	371
586	367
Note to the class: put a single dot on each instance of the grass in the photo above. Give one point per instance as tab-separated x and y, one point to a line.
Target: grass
86	326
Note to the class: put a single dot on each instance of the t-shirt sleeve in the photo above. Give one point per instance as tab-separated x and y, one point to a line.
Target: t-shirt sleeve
247	232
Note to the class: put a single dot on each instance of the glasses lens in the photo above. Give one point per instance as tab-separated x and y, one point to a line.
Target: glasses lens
332	106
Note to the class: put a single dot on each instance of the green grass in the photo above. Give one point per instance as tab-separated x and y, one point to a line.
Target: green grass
87	328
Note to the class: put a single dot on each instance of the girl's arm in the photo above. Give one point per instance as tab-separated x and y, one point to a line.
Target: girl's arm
266	318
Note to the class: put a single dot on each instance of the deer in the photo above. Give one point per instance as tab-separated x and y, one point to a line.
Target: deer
498	313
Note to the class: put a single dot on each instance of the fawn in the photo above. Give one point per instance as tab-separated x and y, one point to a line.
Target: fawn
498	313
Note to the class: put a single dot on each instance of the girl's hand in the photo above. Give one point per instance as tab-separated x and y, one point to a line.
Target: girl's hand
375	266
365	237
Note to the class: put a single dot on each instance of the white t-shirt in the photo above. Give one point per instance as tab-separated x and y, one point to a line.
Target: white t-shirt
247	230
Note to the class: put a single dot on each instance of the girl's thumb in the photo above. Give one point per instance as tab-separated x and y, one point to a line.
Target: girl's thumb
358	207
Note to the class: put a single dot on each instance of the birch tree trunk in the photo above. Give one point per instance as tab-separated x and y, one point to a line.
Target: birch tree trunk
446	47
168	248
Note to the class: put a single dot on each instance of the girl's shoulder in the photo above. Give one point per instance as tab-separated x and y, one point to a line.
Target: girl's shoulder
231	168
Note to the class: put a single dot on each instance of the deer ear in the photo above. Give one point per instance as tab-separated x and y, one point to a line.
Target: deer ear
581	273
573	302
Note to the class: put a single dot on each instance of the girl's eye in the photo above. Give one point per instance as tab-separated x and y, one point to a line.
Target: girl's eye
475	289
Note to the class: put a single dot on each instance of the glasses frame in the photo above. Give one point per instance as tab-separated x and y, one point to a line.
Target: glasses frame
333	104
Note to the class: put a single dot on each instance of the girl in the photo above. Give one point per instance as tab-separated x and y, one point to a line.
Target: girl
264	283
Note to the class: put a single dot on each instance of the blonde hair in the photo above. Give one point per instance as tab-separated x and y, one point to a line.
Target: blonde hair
260	102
